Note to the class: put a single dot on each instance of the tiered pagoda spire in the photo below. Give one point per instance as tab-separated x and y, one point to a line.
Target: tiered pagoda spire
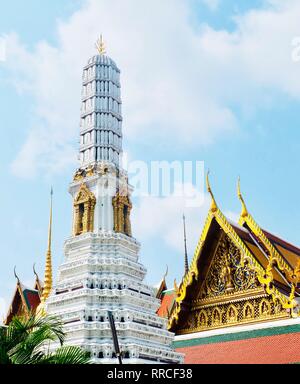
101	113
101	271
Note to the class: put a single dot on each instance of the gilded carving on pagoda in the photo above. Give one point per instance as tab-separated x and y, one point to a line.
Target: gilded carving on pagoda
84	207
122	208
90	171
79	175
101	168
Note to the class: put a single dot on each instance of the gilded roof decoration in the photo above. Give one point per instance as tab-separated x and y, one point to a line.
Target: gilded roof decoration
246	267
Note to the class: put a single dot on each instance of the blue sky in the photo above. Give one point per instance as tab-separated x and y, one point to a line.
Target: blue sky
201	80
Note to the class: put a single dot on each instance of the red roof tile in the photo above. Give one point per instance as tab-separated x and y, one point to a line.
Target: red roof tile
32	299
167	301
277	349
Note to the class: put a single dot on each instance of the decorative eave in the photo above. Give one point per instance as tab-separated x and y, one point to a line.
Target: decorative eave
38	285
265	277
275	259
230	298
163	285
18	291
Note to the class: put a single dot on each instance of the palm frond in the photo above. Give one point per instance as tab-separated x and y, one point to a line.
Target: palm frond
26	341
67	355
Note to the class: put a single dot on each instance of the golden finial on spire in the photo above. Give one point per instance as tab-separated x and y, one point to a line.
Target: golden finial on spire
213	206
244	212
100	46
48	268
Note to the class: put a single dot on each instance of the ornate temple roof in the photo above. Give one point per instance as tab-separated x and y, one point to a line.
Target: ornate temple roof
167	298
290	252
32	298
25	300
275	262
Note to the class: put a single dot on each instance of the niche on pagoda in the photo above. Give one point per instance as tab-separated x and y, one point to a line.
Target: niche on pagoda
122	208
84	208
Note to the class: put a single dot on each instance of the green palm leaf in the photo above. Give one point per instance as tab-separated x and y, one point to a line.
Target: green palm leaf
67	355
27	341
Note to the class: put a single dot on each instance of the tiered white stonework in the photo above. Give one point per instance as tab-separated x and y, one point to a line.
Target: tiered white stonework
101	115
101	271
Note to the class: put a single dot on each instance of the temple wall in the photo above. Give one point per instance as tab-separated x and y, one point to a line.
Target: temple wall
270	345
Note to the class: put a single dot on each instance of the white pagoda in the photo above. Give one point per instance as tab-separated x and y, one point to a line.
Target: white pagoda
101	271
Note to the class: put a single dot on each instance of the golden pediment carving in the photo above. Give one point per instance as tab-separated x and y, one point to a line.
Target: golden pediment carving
226	273
234	265
229	294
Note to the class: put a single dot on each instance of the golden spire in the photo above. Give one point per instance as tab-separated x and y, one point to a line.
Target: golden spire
186	260
48	268
100	46
213	206
244	212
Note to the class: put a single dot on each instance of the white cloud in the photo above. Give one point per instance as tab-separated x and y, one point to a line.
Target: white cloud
213	5
163	78
161	218
178	83
232	216
256	58
158	221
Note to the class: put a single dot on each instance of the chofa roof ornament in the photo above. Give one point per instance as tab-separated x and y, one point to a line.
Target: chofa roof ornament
213	206
244	212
